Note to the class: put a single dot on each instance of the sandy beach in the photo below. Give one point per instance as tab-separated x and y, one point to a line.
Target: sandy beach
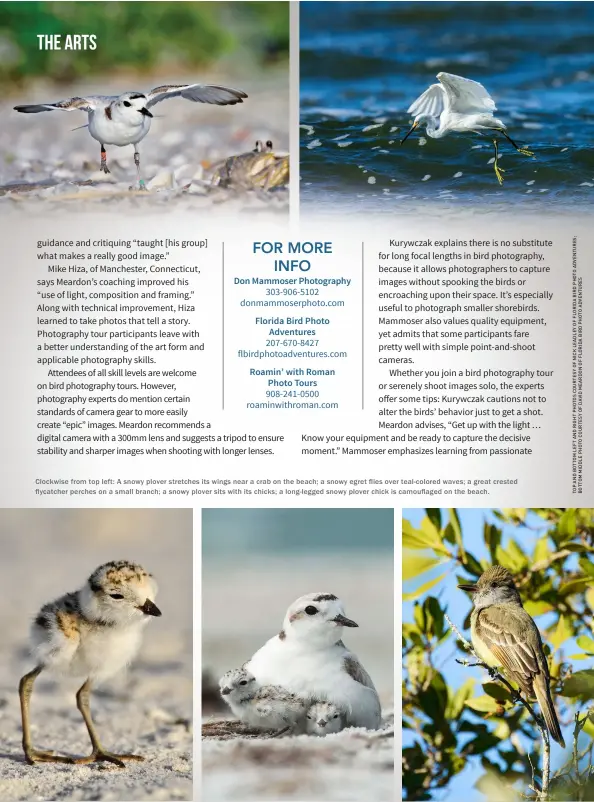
146	709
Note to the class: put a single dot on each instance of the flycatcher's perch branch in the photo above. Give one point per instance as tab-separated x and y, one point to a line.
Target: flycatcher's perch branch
543	794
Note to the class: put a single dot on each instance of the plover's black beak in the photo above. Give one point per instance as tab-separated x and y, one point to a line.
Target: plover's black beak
150	608
225	691
322	723
343	621
414	125
469	588
145	111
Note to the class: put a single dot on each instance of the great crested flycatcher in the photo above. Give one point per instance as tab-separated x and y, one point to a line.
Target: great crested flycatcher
503	634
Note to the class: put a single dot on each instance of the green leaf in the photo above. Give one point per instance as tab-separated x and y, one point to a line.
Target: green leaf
434	516
433	700
567	523
457	530
497	691
456	705
580	656
473	566
492	786
580	684
587	566
535	608
511	557
414	594
414	565
541	550
422	539
434	616
586	643
574	586
483	704
562	632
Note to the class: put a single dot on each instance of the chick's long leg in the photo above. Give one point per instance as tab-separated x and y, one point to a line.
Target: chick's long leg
98	754
33	755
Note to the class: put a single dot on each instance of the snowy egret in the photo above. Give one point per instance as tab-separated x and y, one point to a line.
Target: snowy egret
459	104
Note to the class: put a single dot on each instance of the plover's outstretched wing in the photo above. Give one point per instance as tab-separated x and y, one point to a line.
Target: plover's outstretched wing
72	104
199	93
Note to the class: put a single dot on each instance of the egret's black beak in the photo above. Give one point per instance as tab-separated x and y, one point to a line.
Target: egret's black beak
469	588
414	125
145	111
225	691
150	608
343	621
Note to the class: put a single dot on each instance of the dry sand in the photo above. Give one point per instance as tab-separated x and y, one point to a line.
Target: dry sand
147	709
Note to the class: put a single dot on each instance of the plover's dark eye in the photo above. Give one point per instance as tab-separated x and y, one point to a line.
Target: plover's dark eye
126	103
116	595
311	610
336	716
309	717
243	682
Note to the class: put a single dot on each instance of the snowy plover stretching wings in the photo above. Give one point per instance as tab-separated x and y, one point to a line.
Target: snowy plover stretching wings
126	119
91	633
309	659
323	718
264	708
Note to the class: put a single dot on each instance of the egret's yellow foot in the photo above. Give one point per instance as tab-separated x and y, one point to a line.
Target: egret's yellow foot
498	171
526	152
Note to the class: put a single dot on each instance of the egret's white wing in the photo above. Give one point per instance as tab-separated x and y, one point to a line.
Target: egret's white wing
72	104
431	102
199	93
465	96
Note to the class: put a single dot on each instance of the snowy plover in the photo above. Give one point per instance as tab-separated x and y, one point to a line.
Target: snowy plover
309	659
264	708
126	119
91	633
323	718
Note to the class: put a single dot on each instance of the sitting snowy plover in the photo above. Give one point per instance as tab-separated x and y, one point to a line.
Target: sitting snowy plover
264	708
126	119
323	718
91	633
309	659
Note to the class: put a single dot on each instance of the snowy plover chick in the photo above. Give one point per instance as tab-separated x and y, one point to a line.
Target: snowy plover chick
323	718
309	659
126	119
268	707
91	633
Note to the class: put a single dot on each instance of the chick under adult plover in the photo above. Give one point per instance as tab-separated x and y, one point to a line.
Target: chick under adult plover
264	708
308	658
126	119
323	718
91	633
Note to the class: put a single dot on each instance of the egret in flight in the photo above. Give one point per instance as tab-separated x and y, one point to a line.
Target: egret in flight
459	104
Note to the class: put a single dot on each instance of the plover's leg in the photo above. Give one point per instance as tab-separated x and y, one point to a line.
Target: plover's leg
141	184
32	755
523	151
98	754
104	168
498	170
